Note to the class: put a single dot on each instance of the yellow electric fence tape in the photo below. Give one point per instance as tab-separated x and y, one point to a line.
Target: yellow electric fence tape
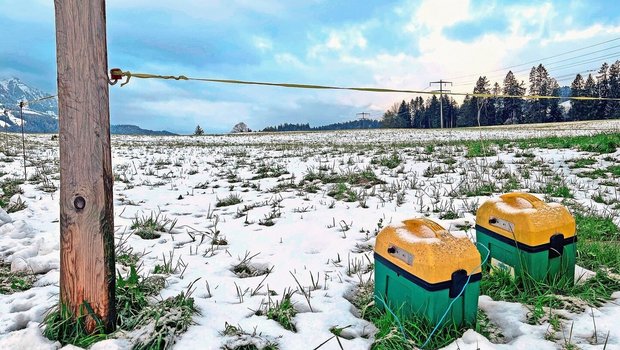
129	75
37	100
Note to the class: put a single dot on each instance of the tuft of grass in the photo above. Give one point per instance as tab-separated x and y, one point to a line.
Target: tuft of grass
11	282
602	143
479	149
154	325
151	227
478	189
392	161
556	293
366	177
614	170
231	199
161	323
598	243
63	326
449	215
593	174
265	171
243	340
9	187
127	259
282	311
414	331
556	190
16	206
342	192
582	163
245	268
132	293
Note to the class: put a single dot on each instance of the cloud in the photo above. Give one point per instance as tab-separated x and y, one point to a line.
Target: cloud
286	59
341	40
438	14
183	114
262	43
594	31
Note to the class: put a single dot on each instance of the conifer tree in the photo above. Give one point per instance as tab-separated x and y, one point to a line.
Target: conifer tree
417	109
497	105
482	87
403	116
613	107
577	106
540	85
431	114
555	110
198	131
602	90
513	107
589	89
466	113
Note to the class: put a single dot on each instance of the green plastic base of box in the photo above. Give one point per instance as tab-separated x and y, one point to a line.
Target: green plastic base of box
407	298
537	265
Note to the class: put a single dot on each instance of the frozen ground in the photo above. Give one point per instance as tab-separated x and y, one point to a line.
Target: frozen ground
308	234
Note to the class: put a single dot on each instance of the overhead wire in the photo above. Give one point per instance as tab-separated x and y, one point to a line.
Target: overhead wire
550	67
537	60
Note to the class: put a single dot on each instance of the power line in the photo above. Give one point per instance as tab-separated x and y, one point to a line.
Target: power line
538	60
552	68
551	64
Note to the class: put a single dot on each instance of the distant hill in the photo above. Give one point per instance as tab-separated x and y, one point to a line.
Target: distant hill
42	117
125	129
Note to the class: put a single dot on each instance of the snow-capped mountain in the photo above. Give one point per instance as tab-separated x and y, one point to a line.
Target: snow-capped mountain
14	90
41	116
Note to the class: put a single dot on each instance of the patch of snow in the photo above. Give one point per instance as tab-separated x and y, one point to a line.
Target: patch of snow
28	338
583	274
15	120
424	235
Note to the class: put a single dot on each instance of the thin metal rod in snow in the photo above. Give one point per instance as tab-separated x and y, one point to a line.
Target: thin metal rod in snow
21	116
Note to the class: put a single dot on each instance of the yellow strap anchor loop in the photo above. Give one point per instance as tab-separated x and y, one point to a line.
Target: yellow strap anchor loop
117	74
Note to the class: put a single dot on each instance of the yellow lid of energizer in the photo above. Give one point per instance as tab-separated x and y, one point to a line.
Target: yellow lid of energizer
525	218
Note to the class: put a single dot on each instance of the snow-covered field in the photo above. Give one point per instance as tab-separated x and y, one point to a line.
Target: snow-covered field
293	229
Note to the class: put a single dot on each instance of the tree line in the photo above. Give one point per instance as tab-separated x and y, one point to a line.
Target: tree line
473	111
353	124
420	113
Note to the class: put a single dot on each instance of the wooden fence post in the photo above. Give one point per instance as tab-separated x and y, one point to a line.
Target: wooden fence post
86	208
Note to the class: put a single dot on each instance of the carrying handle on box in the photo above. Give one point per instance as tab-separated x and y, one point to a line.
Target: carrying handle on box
533	200
414	224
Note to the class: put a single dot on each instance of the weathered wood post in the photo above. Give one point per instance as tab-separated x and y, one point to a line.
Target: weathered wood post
86	207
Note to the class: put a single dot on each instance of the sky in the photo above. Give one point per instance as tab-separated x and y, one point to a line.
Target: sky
401	44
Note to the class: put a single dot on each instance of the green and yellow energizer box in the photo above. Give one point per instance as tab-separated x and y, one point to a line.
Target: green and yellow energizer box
420	268
528	236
